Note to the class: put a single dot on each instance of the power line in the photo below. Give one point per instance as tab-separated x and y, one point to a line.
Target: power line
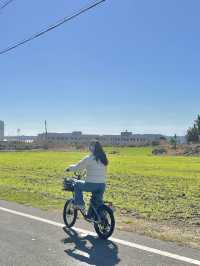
57	24
5	4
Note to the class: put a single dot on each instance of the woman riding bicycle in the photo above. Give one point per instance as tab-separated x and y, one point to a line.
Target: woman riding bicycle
96	166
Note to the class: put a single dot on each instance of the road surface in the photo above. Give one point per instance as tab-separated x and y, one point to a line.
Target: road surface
31	237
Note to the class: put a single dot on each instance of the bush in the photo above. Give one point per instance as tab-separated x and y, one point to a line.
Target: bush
159	151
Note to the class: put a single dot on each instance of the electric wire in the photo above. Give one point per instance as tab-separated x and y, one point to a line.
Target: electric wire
51	27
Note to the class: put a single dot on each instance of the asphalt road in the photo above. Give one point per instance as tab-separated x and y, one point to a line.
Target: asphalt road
31	242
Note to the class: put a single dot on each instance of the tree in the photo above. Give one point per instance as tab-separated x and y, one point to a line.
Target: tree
197	123
174	142
193	133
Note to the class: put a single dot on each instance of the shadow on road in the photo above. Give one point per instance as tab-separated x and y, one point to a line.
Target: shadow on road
91	250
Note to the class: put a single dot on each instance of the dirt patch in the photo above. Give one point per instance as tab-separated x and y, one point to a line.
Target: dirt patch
181	150
192	151
183	234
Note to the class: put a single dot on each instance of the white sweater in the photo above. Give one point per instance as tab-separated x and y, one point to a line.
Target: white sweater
96	171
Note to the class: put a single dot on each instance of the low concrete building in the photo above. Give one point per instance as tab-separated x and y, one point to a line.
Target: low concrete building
22	138
1	130
75	137
124	139
129	139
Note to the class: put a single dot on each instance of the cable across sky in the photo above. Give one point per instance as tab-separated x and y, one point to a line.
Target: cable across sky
3	4
51	27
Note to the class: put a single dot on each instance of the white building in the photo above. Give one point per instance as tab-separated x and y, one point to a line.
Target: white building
75	137
124	139
1	130
26	139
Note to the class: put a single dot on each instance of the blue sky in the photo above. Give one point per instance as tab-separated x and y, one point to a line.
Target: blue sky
124	65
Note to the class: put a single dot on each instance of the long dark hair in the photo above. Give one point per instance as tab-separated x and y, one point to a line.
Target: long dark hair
98	152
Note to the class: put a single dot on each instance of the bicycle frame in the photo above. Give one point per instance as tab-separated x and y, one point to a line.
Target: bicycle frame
84	213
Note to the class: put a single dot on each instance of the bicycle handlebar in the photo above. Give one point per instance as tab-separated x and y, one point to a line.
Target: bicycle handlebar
76	174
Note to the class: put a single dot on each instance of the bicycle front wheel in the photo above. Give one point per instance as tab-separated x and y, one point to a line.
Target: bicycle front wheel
69	213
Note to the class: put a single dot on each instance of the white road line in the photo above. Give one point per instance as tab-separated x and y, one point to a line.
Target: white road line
116	240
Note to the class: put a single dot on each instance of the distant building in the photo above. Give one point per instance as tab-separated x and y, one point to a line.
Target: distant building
26	139
124	139
1	130
129	139
75	137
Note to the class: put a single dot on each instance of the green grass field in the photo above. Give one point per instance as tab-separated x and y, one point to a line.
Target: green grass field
154	187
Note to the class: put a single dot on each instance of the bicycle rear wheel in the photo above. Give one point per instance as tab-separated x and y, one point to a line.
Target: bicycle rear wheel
69	213
107	225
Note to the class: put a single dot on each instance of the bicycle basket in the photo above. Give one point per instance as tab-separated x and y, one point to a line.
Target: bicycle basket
68	184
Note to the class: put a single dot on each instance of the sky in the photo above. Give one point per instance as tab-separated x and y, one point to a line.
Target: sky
131	64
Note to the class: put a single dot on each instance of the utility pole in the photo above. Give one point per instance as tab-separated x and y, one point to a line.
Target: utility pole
46	135
45	126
